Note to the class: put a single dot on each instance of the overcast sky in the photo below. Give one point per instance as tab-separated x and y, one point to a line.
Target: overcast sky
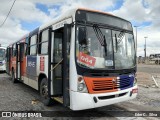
27	15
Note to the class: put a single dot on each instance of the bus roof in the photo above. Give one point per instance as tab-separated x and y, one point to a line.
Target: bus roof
68	14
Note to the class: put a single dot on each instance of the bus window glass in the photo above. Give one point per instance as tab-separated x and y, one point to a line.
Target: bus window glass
33	40
93	53
44	48
44	42
33	50
44	36
125	50
33	45
89	51
2	54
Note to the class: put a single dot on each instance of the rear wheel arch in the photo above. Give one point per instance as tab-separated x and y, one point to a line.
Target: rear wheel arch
43	89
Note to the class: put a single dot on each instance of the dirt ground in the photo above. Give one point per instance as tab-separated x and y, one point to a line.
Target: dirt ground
145	74
144	79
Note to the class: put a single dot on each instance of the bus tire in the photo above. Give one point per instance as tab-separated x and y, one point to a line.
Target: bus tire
13	77
44	92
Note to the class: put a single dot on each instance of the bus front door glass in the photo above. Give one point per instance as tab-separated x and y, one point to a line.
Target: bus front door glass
57	74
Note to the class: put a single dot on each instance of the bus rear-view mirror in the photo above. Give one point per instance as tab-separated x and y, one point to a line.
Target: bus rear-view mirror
82	35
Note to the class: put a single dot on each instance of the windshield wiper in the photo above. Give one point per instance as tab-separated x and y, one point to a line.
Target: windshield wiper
118	39
120	36
100	37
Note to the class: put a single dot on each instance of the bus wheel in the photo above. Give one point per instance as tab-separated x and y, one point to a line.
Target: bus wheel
44	92
13	77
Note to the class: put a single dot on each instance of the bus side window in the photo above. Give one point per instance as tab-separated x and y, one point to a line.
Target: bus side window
14	50
26	51
32	47
22	51
43	43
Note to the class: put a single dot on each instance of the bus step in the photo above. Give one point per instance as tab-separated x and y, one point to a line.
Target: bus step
58	99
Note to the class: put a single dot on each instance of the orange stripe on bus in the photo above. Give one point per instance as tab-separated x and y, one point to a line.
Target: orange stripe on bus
97	11
101	85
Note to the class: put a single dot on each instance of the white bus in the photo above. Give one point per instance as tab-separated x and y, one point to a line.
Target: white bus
155	58
2	59
83	59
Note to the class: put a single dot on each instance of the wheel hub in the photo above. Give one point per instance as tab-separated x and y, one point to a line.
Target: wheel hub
45	91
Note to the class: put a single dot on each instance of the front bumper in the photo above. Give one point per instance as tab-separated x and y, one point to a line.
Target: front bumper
81	101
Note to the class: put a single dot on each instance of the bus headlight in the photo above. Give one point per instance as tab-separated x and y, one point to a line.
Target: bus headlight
81	85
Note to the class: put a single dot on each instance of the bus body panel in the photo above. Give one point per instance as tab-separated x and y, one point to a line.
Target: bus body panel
36	65
72	73
25	80
13	60
33	83
42	67
30	77
61	23
23	66
24	71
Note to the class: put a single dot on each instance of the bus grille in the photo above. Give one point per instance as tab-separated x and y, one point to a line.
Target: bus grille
111	84
102	85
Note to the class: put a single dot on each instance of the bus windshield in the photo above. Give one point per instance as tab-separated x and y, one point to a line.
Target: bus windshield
103	50
2	54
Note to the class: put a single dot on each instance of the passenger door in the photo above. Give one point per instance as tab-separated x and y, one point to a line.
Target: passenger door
20	51
57	64
8	60
60	64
